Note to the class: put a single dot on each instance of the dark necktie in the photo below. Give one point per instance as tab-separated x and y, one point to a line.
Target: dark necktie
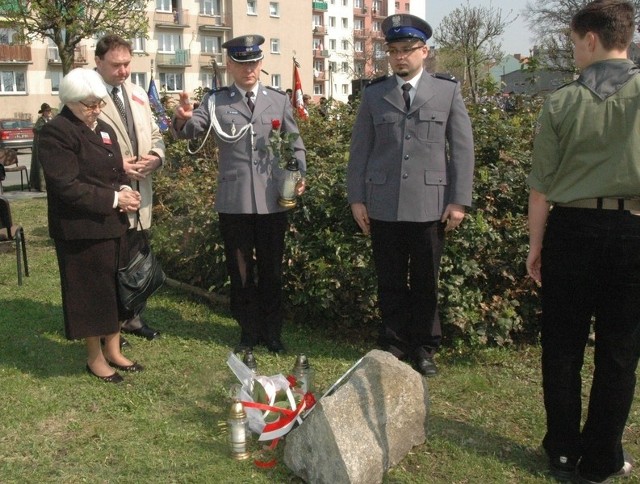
249	95
405	94
118	102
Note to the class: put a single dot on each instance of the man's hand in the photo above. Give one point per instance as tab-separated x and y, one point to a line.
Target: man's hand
184	111
452	216
361	216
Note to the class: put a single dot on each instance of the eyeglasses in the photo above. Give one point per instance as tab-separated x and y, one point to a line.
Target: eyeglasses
92	107
402	52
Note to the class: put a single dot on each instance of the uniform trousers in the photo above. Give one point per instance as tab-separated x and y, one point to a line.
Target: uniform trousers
590	270
407	260
254	248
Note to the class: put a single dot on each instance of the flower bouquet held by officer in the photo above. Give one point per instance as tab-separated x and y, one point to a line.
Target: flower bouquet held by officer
409	179
88	200
252	222
585	251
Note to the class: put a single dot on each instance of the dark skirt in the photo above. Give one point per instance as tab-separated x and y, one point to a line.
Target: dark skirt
88	281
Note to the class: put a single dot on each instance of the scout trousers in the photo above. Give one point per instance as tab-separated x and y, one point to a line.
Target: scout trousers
590	271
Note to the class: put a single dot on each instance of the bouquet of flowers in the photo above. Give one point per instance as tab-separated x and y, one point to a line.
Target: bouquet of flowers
281	144
273	404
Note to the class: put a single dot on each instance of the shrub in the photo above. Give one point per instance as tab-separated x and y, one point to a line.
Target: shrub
329	276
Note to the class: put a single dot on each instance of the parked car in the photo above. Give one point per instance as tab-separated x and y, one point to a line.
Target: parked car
16	133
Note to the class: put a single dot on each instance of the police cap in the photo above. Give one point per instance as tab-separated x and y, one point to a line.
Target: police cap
404	27
245	48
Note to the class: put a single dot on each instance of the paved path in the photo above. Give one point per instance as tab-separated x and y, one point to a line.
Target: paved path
11	184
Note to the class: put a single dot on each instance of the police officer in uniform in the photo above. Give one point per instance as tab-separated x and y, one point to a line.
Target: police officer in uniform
409	179
252	222
584	237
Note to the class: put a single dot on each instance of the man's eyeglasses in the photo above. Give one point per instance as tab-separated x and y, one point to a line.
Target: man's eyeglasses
402	52
92	107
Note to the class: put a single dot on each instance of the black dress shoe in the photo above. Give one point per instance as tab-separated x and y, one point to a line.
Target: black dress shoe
143	332
123	342
135	367
426	366
275	346
115	378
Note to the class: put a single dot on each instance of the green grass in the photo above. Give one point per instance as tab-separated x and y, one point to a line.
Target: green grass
60	425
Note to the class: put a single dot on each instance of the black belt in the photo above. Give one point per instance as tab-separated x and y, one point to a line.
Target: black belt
604	204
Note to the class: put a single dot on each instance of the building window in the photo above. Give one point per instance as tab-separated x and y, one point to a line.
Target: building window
357	3
168	43
165	5
345	45
317	44
252	7
139	79
332	44
345	23
359	68
210	44
406	7
333	66
358	46
345	67
318	89
276	81
345	3
375	26
358	24
345	89
275	46
206	80
56	77
210	7
318	65
274	9
138	44
317	20
171	81
13	81
332	21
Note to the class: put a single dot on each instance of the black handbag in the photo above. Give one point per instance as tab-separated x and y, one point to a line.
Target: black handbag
140	278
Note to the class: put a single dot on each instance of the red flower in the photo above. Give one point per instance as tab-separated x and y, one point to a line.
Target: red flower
291	379
309	400
275	123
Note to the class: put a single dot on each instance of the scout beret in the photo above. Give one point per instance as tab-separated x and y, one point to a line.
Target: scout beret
403	27
245	48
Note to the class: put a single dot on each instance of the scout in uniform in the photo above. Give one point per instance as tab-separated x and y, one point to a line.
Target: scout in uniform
252	222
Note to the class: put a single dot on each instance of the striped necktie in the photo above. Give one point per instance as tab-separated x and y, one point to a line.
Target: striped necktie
118	102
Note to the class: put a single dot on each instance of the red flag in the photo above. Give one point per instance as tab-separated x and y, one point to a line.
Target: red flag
298	102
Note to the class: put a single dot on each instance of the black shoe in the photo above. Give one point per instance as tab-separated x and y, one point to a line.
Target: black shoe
114	378
135	367
123	342
246	343
562	468
275	345
426	366
143	332
625	471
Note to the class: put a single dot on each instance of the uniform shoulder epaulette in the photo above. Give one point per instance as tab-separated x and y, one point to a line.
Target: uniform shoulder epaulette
279	91
220	89
376	80
445	76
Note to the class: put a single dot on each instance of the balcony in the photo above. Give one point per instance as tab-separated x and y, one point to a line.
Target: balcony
379	13
319	30
320	54
214	22
205	60
359	33
360	12
79	56
319	6
179	58
319	75
15	54
178	19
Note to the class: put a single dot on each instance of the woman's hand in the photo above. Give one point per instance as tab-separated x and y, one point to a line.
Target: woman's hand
128	201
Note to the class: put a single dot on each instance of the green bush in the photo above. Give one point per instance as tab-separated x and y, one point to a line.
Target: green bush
329	277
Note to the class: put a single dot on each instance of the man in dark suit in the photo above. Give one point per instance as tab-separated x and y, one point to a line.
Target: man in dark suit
252	222
409	179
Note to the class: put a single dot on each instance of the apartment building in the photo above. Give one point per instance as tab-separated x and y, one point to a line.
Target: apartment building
343	42
184	39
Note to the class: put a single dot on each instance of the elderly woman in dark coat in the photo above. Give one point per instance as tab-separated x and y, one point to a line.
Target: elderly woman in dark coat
88	201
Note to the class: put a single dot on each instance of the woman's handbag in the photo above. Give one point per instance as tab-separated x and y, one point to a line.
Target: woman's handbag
140	278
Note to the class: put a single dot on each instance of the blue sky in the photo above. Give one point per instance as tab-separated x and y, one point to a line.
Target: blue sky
517	38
